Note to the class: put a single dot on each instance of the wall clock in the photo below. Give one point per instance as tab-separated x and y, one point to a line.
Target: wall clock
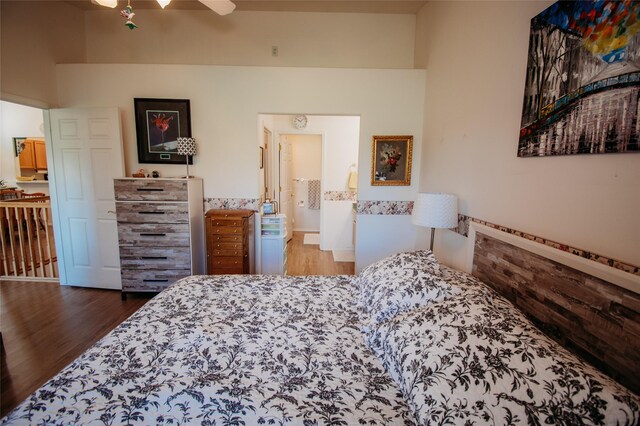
300	121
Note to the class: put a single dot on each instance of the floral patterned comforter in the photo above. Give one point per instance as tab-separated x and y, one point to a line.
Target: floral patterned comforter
228	350
474	358
249	350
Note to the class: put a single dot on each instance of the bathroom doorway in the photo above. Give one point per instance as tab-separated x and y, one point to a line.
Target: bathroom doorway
314	180
301	183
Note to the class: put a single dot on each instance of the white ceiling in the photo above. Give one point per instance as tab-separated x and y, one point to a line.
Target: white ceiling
350	6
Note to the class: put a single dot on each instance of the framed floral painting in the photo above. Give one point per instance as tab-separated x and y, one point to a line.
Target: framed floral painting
159	124
391	162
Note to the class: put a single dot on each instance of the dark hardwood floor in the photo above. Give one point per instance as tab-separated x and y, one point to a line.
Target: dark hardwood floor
46	326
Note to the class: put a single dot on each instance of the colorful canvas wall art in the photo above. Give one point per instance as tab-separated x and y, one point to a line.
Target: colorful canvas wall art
582	85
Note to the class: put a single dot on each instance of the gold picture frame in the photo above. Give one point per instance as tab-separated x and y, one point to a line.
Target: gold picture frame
391	160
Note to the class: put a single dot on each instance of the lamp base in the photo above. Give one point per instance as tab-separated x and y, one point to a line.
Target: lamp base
433	234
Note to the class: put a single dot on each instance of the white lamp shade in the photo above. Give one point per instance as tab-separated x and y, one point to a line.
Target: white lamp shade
163	3
186	146
435	210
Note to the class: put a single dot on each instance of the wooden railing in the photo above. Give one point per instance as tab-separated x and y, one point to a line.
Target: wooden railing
28	248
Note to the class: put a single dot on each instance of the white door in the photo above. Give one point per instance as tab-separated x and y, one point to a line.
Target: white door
286	184
85	154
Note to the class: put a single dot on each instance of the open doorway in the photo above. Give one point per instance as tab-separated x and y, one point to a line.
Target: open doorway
301	159
314	179
24	161
27	246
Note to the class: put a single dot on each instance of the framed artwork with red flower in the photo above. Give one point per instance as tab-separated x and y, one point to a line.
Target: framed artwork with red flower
159	124
391	162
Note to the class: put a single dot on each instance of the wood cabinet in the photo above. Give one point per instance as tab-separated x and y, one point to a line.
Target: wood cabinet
34	155
40	154
160	231
230	241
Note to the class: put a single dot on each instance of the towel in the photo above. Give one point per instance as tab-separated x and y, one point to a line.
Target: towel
313	195
353	180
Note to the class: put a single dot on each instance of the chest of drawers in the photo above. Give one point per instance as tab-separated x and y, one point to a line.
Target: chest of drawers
160	231
230	241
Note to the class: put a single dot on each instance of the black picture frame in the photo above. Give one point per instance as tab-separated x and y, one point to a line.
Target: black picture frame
159	123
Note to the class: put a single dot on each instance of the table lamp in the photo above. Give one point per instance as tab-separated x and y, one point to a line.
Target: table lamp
187	147
435	210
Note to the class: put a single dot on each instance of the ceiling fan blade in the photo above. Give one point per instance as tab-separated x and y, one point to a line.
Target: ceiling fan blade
221	7
107	3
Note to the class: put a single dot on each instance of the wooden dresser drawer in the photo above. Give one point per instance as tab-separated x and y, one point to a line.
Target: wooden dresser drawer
225	238
153	234
151	190
141	257
146	212
228	265
238	230
230	270
151	280
233	253
223	245
225	221
227	261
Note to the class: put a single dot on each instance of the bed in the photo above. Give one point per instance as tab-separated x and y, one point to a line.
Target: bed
406	342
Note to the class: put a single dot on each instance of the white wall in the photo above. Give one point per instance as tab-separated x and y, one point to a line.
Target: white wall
35	35
475	54
226	103
246	37
307	165
18	121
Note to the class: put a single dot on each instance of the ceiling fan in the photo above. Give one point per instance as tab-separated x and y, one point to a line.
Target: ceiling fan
221	7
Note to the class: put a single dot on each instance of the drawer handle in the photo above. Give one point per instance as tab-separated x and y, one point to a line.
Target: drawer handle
154	257
155	281
149	234
151	212
150	189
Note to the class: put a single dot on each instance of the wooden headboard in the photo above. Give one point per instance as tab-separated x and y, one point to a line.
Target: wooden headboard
593	318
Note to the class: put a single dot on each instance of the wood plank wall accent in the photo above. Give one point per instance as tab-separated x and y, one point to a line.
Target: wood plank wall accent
463	229
593	318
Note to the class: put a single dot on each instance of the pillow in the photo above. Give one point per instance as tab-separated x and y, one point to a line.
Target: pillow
474	358
399	283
